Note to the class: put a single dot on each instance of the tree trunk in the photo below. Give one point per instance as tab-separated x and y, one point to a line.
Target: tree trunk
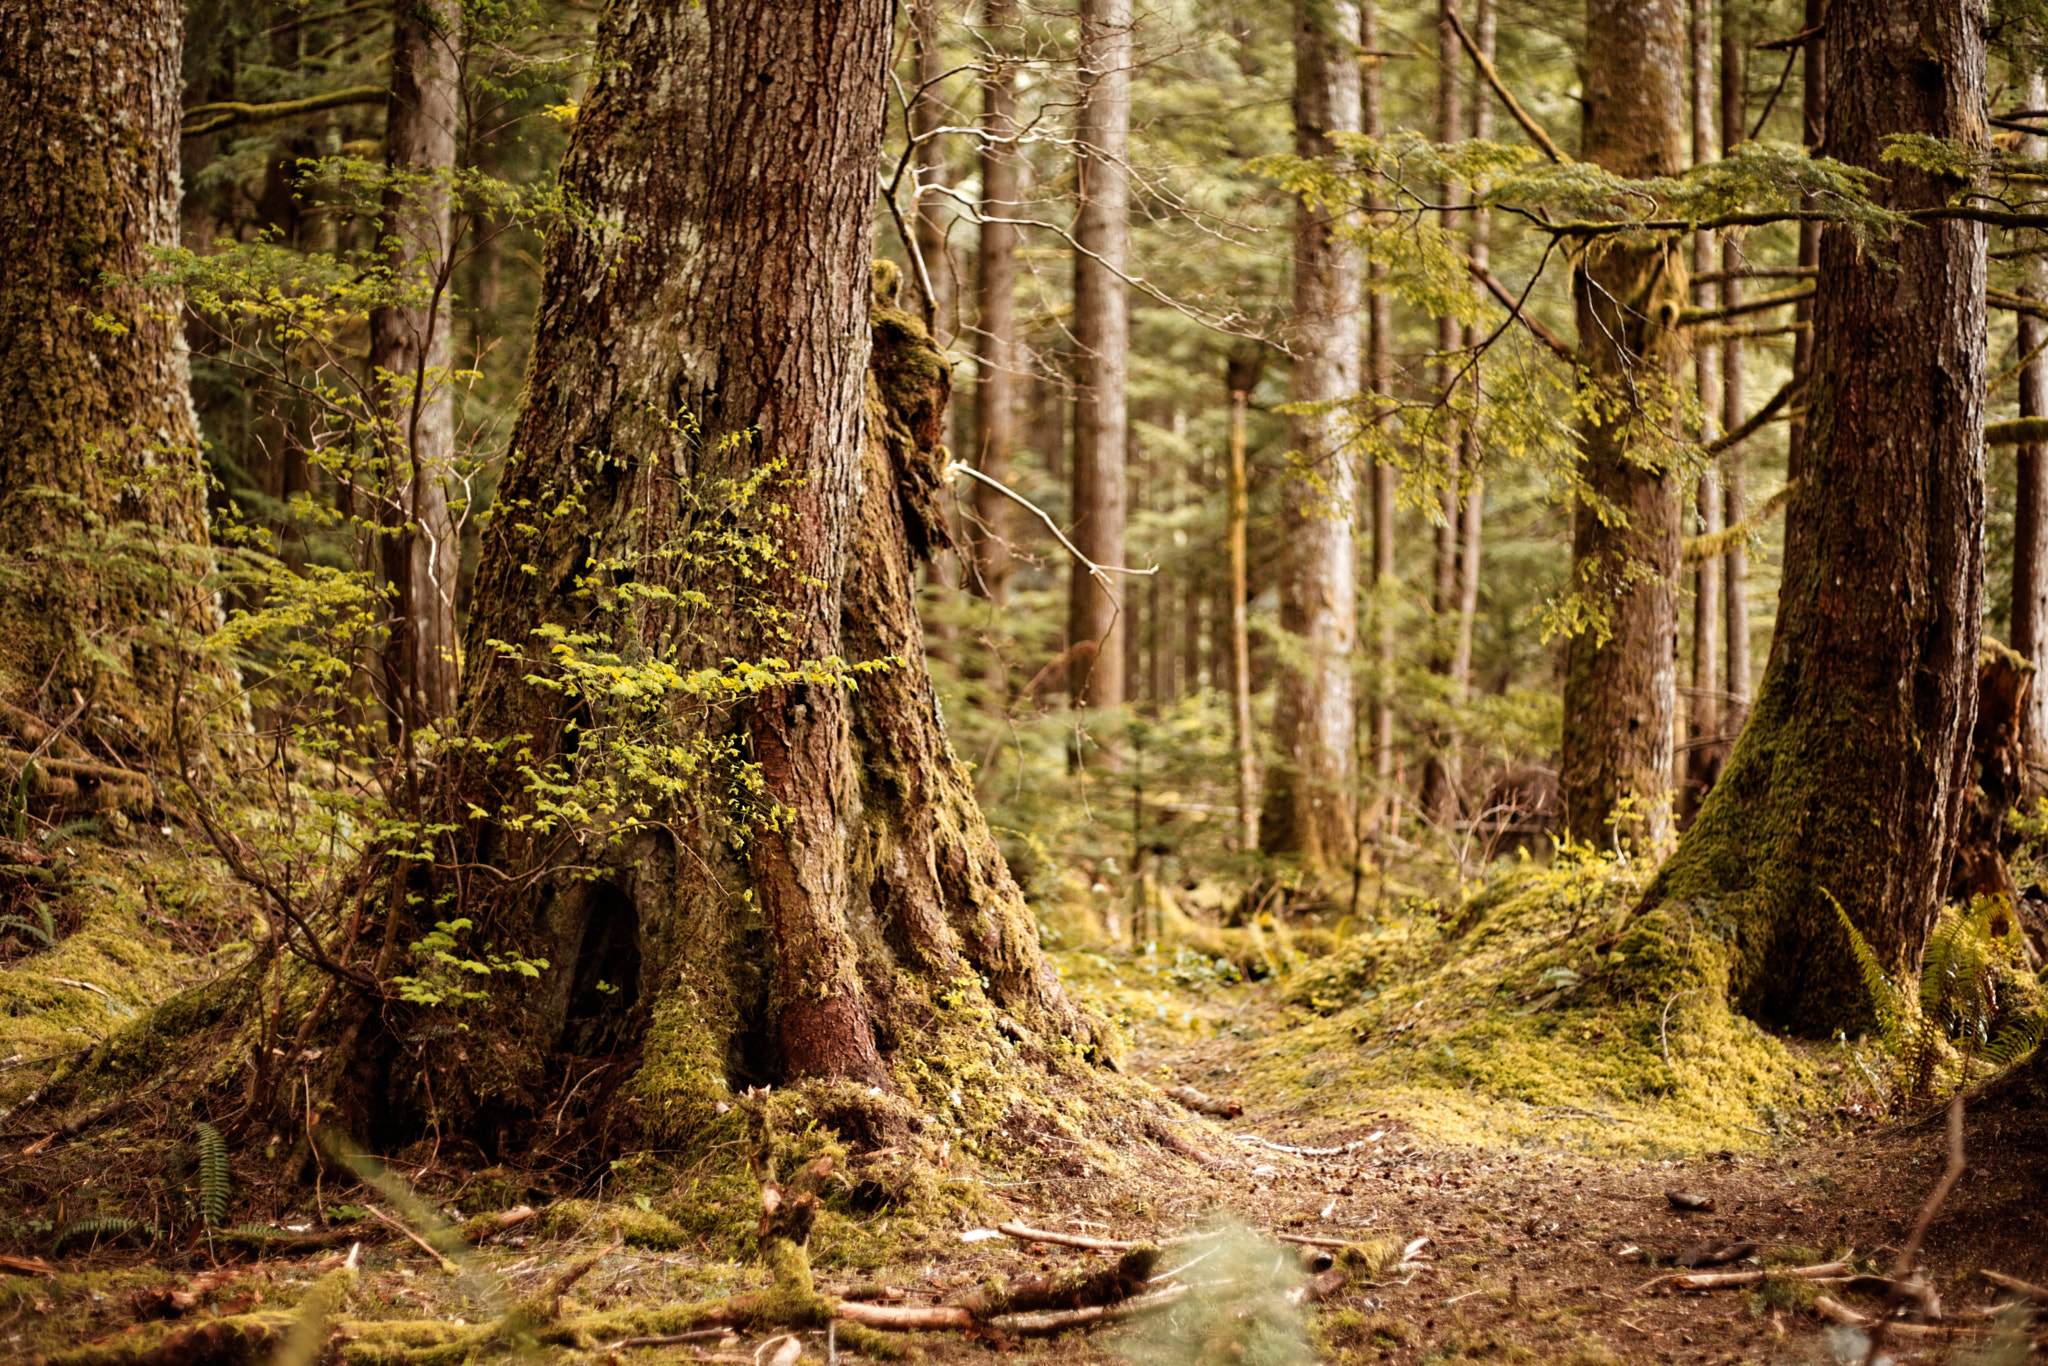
1620	684
1703	709
99	416
708	323
1734	464
1095	631
2030	499
1471	545
1379	381
1812	135
996	352
927	117
410	360
1308	811
1243	373
1851	775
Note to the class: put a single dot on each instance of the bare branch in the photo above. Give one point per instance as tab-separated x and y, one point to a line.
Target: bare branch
1515	309
212	118
1521	115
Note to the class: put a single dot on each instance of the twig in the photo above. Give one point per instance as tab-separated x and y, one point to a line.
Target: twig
2037	1293
1521	115
1058	1321
425	1246
1299	1152
1904	1265
1724	1280
666	1340
1663	1038
1099	572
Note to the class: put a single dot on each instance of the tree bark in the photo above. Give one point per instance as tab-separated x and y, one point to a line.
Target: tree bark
709	323
1734	464
1703	709
1308	813
1243	373
996	351
2030	498
1095	630
95	406
1850	778
1379	381
410	360
1620	683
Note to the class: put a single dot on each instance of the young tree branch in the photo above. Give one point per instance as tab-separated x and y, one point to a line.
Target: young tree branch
1514	107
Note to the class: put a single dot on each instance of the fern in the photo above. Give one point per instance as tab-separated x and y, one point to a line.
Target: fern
1896	1014
214	1187
108	1226
255	1233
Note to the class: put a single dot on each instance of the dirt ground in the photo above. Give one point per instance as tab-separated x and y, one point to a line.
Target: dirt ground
1535	1253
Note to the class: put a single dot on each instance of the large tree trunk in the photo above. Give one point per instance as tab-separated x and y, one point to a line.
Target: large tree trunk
1620	682
409	363
707	324
1850	777
1102	229
1309	790
96	420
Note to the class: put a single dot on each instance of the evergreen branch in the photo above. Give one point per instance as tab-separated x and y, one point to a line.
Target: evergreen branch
1514	107
213	118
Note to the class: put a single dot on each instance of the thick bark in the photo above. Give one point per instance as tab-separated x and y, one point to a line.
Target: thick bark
997	355
1851	775
95	414
2030	497
1308	812
707	323
1095	630
409	363
1734	464
1620	679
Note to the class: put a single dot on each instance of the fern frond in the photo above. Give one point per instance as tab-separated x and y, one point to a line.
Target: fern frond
1897	1013
107	1226
2015	1039
255	1233
215	1189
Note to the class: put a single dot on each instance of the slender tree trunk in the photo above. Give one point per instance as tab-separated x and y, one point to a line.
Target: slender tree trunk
1243	374
99	416
1813	118
1095	631
1379	381
1703	712
1851	776
1734	464
997	360
934	213
2030	500
1474	503
708	323
1308	811
1620	679
410	360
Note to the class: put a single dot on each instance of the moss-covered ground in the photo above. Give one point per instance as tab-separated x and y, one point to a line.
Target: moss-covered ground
1517	1075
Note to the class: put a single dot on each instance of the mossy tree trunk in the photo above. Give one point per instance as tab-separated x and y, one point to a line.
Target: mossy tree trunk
708	323
1620	686
102	503
1850	778
1309	786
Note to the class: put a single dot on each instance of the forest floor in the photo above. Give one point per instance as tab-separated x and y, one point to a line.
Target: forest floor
1493	1229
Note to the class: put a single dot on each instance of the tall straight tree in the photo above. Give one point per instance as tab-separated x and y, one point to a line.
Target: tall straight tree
1703	708
995	289
1472	518
2030	493
1620	686
1850	778
1734	463
96	419
704	327
927	120
409	360
1102	338
1308	811
1378	381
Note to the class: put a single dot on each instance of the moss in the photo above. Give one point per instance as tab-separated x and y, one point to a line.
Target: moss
635	1227
1551	1018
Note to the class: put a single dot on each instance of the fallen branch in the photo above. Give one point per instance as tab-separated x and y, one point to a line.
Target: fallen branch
381	1217
1041	1325
1903	1267
1725	1280
2025	1289
1829	1307
905	1318
1189	1098
1299	1152
666	1339
1037	1235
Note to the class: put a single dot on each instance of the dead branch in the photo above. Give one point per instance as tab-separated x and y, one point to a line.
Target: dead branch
1189	1098
1514	107
1041	1325
1903	1267
1693	316
1760	418
1034	1235
1515	309
2026	1289
905	1318
1828	1307
1726	1280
